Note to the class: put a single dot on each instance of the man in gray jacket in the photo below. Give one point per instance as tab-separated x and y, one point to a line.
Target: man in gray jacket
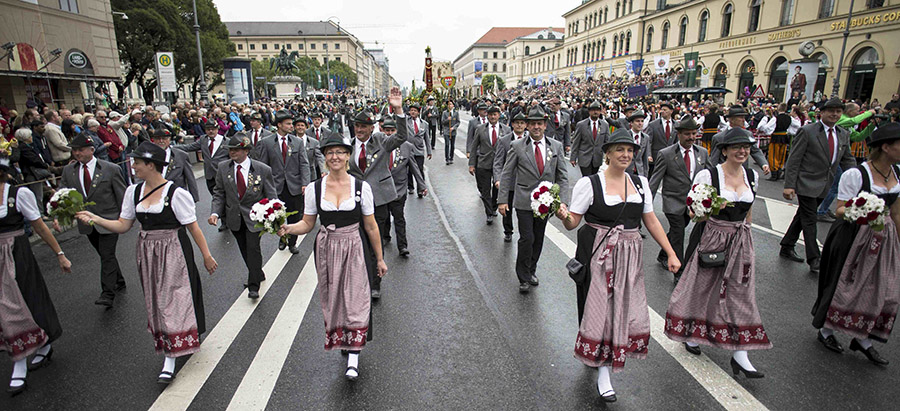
179	170
636	122
401	165
529	162
481	160
212	147
257	133
661	132
420	139
518	123
590	135
241	182
558	124
314	156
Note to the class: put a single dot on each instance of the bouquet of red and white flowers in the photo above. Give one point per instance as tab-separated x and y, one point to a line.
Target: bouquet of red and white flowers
64	203
270	215
866	209
545	199
704	201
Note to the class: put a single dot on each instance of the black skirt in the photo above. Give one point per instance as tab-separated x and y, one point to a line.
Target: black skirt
194	279
834	255
34	290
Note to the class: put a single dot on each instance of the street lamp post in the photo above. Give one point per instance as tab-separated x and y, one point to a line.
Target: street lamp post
204	95
836	87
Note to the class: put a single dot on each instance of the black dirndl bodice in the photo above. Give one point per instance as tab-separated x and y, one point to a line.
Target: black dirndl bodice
164	220
14	220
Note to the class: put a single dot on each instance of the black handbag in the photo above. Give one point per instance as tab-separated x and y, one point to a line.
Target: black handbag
575	268
712	259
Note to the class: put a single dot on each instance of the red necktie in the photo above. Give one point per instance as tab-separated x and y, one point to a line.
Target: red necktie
594	130
637	139
87	179
362	158
538	157
284	149
317	134
241	184
416	123
256	137
212	144
668	131
391	164
493	135
830	145
687	161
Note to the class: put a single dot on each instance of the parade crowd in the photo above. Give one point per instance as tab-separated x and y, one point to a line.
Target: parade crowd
138	166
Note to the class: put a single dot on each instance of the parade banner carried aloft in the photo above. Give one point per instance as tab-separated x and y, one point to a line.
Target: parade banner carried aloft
637	65
628	68
800	73
637	91
165	72
589	71
479	66
661	63
690	68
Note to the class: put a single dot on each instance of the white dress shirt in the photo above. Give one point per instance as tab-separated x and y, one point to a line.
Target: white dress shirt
245	170
836	142
543	145
217	142
92	165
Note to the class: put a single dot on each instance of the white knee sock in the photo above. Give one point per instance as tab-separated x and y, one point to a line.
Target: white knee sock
20	370
826	332
169	365
690	344
603	382
41	351
744	361
353	361
865	343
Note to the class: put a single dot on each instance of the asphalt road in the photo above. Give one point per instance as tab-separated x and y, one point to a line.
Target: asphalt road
450	332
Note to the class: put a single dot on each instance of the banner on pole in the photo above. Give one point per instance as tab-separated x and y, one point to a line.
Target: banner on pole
165	72
661	63
478	67
628	68
637	65
690	68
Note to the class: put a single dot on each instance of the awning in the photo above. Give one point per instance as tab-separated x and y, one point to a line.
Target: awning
59	76
691	90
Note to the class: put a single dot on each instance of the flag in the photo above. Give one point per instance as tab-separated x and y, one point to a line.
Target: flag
690	68
628	67
661	63
637	65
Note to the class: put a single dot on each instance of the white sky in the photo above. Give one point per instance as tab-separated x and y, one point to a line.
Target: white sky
404	28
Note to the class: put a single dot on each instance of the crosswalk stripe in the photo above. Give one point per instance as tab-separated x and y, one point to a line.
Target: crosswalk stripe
458	153
259	381
730	394
191	377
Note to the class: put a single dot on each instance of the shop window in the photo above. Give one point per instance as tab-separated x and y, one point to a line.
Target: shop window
704	21
778	78
748	73
822	76
726	20
755	9
68	5
862	75
787	12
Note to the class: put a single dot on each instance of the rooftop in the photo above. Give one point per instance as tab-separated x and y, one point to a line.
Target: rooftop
501	35
283	28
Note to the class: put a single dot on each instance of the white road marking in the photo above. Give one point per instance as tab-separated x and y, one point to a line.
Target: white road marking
780	215
730	394
259	380
191	377
458	153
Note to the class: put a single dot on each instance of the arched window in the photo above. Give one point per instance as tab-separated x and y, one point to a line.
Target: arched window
748	72
704	21
649	39
606	14
615	44
787	12
630	5
867	56
621	43
778	78
527	50
603	49
540	36
755	9
628	43
494	69
617	9
822	75
721	74
826	8
665	36
682	31
543	48
726	20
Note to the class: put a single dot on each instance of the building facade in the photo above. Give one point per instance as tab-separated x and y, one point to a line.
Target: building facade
530	45
56	52
742	43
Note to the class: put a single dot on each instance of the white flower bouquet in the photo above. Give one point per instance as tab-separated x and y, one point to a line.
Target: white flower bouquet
545	199
704	201
866	209
64	203
270	215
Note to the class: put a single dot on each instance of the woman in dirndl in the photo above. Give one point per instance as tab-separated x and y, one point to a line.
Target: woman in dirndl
859	285
612	304
716	305
164	254
28	321
343	251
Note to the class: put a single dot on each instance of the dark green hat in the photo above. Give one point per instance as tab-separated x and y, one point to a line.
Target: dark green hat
210	124
636	115
415	106
481	106
520	116
240	141
333	140
282	115
884	134
150	152
666	104
161	133
364	117
493	109
736	111
83	140
536	114
621	136
389	123
735	135
687	123
256	116
834	103
315	114
595	105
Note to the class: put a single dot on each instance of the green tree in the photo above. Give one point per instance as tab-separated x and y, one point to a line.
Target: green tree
262	74
487	82
213	40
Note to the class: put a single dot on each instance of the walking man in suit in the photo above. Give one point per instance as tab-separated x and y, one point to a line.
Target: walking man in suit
530	161
449	126
100	182
241	182
737	118
518	122
432	116
402	165
179	170
285	155
642	157
212	148
558	127
816	152
314	156
481	162
661	132
676	166
318	131
419	138
474	122
257	132
369	162
590	135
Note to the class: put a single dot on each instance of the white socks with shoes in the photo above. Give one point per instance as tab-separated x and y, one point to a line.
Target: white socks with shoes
20	370
826	332
352	361
692	345
604	385
169	366
743	360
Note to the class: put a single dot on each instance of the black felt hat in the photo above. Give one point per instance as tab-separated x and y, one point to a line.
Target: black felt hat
364	117
333	140
150	152
735	135
834	103
240	141
83	140
161	133
884	134
282	115
621	136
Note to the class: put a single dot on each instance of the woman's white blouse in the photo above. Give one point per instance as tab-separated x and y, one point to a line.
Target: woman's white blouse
367	201
583	195
182	204
703	177
851	183
25	203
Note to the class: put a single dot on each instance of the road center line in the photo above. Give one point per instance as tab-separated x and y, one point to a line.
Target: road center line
191	377
730	394
259	380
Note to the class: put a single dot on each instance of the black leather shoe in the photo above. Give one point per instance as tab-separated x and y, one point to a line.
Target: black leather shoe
104	301
790	254
165	378
43	361
814	267
693	350
523	288
404	253
737	369
830	343
376	294
609	396
507	238
281	245
14	391
447	163
871	354
294	249
533	281
410	191
421	195
490	220
253	295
